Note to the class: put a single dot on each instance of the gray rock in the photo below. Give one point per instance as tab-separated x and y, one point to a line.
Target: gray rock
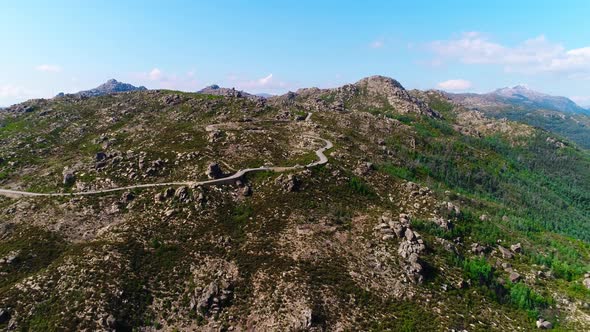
514	277
69	177
409	234
544	324
516	248
505	253
182	194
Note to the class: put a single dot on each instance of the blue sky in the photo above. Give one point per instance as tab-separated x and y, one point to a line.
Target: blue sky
262	46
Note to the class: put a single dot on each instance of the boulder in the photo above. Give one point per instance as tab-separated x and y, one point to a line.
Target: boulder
516	248
544	324
477	248
514	277
214	171
505	253
586	283
100	156
127	197
364	168
69	177
4	315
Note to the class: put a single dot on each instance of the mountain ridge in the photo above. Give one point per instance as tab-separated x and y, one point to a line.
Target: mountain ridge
423	214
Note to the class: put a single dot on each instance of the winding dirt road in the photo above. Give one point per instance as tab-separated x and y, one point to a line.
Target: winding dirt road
323	159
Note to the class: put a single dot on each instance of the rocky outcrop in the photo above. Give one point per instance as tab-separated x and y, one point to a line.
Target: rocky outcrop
215	280
289	183
410	247
364	168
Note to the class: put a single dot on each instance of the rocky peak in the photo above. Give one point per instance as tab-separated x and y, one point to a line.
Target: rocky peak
379	83
109	87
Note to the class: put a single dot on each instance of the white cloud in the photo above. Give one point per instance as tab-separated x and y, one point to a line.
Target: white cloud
265	83
536	55
48	68
155	74
377	44
265	80
159	79
454	85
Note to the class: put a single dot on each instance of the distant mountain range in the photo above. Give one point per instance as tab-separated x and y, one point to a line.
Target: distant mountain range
522	97
519	103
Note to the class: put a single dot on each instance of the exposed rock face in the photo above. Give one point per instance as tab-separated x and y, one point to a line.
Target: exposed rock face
586	281
214	171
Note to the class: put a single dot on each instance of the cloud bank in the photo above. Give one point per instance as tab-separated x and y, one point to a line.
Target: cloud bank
454	85
532	56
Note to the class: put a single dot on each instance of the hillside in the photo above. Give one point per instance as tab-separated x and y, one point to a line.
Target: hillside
425	216
556	114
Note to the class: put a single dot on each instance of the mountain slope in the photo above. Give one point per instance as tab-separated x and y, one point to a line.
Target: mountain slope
557	114
427	216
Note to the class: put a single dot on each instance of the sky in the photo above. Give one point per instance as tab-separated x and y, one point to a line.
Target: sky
47	47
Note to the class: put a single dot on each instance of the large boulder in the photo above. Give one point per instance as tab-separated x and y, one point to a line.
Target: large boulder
69	177
214	171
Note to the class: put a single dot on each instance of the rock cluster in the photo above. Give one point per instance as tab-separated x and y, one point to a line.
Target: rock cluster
555	142
364	168
289	183
218	287
410	247
478	249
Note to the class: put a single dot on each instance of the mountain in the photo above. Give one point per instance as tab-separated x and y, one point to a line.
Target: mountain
556	114
521	96
109	87
265	95
365	207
